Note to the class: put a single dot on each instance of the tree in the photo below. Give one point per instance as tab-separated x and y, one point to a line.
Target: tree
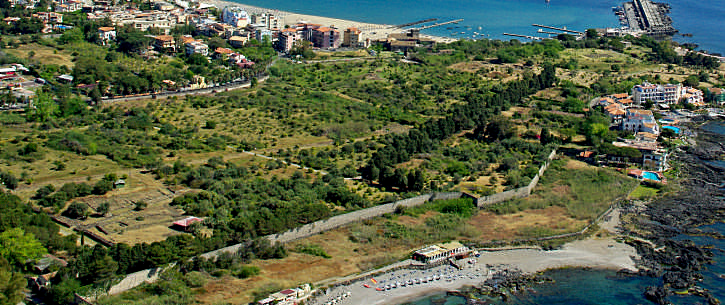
12	285
592	33
45	107
102	186
692	81
17	246
77	210
499	128
545	137
103	208
140	205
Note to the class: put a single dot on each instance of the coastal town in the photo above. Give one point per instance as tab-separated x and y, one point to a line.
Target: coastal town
206	152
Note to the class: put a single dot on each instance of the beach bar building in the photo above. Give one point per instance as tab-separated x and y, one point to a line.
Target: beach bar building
439	252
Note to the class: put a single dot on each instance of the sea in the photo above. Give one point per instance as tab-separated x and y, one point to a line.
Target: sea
491	18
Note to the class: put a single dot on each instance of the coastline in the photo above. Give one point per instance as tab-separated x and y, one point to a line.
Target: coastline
597	253
370	31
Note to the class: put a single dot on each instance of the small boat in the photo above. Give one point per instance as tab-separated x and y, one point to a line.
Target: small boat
379	289
366	286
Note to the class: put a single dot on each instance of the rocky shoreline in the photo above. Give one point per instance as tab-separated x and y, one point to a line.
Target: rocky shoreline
652	228
699	202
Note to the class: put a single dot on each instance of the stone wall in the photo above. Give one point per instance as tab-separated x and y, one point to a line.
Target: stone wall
348	218
521	192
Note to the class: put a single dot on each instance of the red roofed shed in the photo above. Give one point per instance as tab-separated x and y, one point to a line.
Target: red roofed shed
185	223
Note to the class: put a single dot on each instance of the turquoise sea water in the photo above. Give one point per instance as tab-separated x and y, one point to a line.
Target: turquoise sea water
702	18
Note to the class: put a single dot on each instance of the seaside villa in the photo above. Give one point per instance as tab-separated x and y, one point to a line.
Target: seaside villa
436	253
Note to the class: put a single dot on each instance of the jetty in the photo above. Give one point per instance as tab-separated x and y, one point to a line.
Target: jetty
558	29
414	23
525	36
437	24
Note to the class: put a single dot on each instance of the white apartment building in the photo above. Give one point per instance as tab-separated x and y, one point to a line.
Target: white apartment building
197	47
235	16
667	94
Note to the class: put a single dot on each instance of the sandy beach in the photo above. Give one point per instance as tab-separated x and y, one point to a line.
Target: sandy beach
368	30
603	253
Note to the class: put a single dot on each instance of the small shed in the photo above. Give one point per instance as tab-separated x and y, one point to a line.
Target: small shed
119	183
185	224
65	78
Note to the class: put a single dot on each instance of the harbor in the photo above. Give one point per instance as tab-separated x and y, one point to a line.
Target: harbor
646	17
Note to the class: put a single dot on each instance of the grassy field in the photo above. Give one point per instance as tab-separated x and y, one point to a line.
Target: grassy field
644	192
44	54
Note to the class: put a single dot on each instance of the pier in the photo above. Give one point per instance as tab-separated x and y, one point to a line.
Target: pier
558	29
414	23
437	24
525	36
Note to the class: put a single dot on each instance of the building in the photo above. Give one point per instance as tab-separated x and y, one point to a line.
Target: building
287	39
235	16
692	96
440	252
717	96
185	224
351	37
164	6
196	47
144	24
653	157
68	6
667	94
165	43
288	296
616	112
325	38
49	17
237	41
639	120
106	34
268	20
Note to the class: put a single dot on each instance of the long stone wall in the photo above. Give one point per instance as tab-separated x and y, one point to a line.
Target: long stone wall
334	222
345	219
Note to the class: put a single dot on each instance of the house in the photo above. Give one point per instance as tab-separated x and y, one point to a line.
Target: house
237	41
325	38
616	112
69	7
47	261
235	16
196	47
440	252
165	43
222	52
653	157
351	37
185	224
120	183
240	61
13	20
164	6
645	137
106	34
287	39
619	96
717	96
65	78
42	282
639	120
49	17
693	96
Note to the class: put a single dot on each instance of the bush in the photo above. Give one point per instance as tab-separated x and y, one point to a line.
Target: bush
77	210
312	250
